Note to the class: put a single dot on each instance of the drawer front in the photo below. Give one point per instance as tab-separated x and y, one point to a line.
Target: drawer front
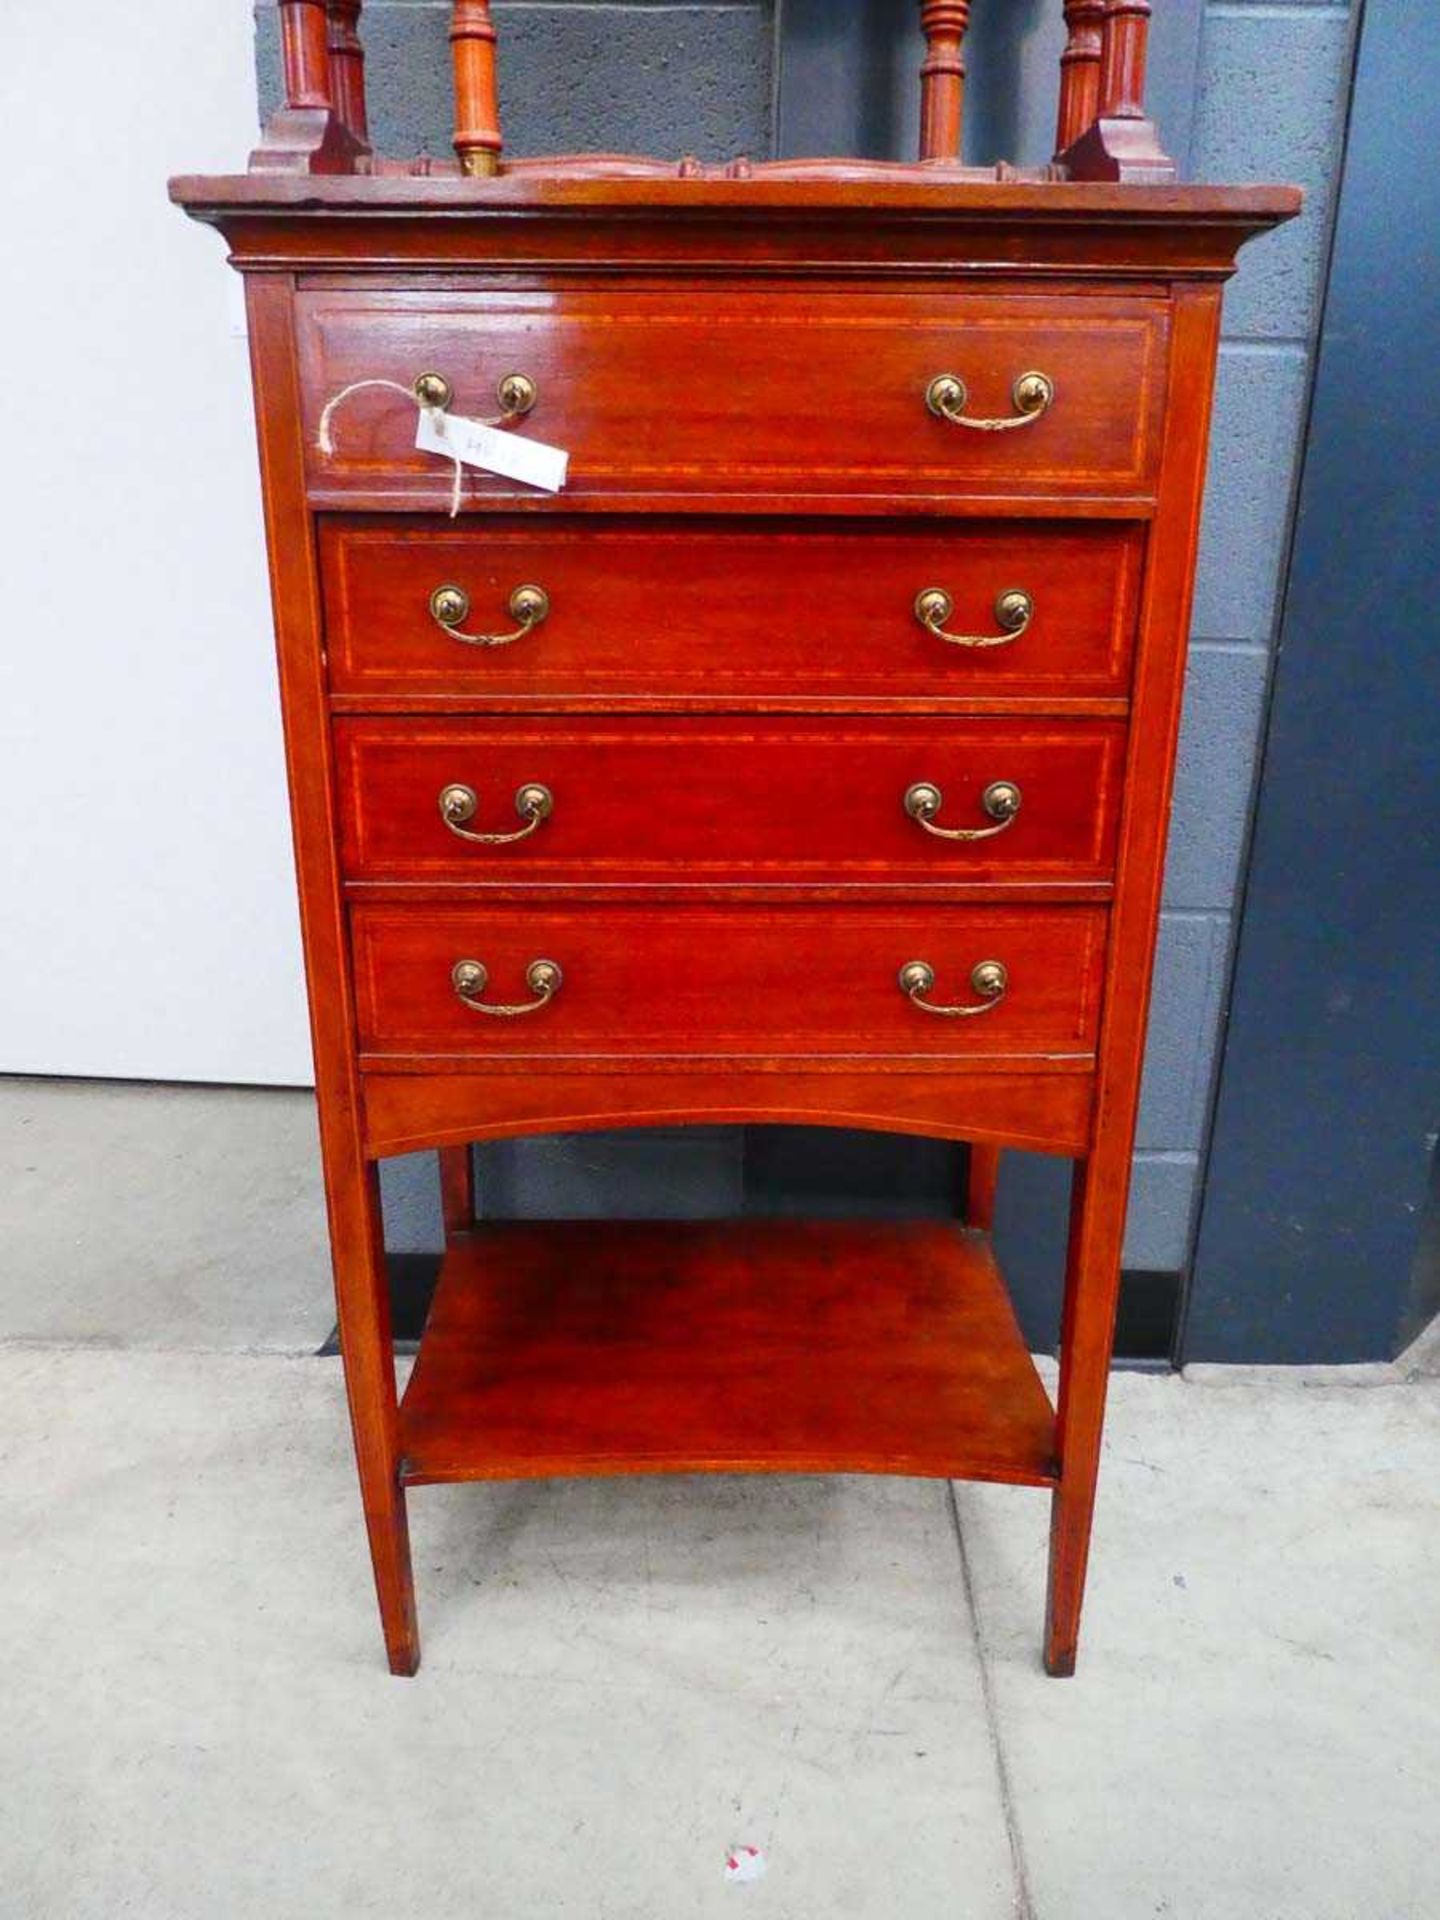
711	611
704	802
729	391
648	983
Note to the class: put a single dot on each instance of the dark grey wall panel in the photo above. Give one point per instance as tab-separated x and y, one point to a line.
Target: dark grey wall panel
1330	1090
848	79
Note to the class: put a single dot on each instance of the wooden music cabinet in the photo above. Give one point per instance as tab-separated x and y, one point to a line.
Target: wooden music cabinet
805	759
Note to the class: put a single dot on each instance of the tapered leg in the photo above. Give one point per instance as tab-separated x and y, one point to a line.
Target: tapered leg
362	1299
980	1184
352	1187
1092	1287
457	1188
1097	1213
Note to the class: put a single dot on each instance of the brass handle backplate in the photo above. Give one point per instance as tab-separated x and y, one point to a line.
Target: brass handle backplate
433	390
449	606
516	392
988	978
458	804
1014	610
1001	800
1032	393
470	978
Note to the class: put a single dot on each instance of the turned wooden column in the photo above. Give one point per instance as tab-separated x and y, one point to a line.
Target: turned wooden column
1080	70
304	53
477	99
347	66
1122	60
942	78
320	59
1111	138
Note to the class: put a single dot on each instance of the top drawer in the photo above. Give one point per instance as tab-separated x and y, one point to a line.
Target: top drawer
737	394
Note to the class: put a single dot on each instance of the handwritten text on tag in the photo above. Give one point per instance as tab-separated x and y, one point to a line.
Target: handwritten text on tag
508	454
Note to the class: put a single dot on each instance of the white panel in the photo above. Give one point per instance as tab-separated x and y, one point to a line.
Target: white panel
148	926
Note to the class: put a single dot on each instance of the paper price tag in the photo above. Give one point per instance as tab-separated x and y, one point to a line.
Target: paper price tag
508	454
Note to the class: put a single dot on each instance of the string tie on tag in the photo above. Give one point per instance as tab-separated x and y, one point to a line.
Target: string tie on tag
326	442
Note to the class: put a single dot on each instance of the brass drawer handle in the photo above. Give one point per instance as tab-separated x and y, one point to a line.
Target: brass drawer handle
1014	610
450	605
469	978
1001	800
1032	393
516	392
988	978
533	803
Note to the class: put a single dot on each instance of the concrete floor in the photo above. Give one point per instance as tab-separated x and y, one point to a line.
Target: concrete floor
625	1681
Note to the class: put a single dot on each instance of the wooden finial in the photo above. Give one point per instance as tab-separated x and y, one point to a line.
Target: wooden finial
347	66
942	77
477	100
1122	67
1080	70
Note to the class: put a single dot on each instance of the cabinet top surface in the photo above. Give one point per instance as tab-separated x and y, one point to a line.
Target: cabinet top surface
864	193
889	225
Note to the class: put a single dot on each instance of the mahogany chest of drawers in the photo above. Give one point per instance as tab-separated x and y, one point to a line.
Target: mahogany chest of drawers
805	759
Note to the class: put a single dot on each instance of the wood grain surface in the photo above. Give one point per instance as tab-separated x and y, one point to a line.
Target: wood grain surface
777	1346
775	611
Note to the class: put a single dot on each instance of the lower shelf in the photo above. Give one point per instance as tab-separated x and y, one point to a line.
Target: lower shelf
576	1348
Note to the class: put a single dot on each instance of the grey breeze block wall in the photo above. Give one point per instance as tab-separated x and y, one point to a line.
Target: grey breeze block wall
659	77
